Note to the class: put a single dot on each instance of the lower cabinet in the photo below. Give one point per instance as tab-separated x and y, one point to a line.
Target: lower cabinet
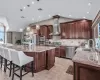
60	52
57	52
85	72
42	60
50	59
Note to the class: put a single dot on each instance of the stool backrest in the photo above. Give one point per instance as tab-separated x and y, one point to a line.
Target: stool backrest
2	51
7	54
15	57
19	58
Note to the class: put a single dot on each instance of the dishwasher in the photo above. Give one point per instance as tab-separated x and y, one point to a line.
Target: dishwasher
70	51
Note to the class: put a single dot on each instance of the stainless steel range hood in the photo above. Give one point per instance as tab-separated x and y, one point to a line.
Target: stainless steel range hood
56	26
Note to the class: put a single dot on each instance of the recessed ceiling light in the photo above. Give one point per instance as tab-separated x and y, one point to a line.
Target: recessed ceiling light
32	2
89	4
49	15
70	15
24	7
84	17
21	30
87	12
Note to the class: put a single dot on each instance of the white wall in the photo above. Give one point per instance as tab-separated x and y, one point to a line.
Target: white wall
13	37
9	37
5	23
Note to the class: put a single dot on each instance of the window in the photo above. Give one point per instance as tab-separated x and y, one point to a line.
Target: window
2	33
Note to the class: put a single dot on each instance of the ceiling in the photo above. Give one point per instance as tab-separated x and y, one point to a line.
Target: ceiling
67	8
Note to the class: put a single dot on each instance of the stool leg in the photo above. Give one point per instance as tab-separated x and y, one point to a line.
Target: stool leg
10	68
5	65
21	68
32	68
1	61
13	72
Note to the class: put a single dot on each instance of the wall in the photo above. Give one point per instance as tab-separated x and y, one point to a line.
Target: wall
13	37
5	22
95	25
9	37
96	31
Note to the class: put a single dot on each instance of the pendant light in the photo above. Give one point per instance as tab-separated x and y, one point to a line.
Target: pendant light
56	25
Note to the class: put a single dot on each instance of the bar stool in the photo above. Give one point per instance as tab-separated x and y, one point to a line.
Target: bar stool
7	58
20	59
2	55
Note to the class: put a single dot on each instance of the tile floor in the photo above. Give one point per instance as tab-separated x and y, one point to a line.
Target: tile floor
58	72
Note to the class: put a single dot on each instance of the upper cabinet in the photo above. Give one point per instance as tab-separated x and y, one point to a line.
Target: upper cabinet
45	30
50	30
80	29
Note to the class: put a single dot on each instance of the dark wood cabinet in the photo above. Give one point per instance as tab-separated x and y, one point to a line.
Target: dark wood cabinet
39	60
50	59
62	52
86	72
57	52
50	30
42	60
80	29
45	30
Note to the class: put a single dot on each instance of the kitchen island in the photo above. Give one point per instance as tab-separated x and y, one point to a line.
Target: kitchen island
84	68
44	56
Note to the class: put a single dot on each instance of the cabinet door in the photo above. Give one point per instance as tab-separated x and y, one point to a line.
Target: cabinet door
43	31
49	30
50	58
57	52
62	51
63	34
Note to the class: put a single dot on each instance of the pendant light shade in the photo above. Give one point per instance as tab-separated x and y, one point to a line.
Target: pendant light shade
28	29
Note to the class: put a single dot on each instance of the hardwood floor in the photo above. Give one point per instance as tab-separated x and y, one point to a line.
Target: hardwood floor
58	72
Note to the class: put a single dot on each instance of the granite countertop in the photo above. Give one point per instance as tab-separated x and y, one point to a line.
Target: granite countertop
34	49
83	58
